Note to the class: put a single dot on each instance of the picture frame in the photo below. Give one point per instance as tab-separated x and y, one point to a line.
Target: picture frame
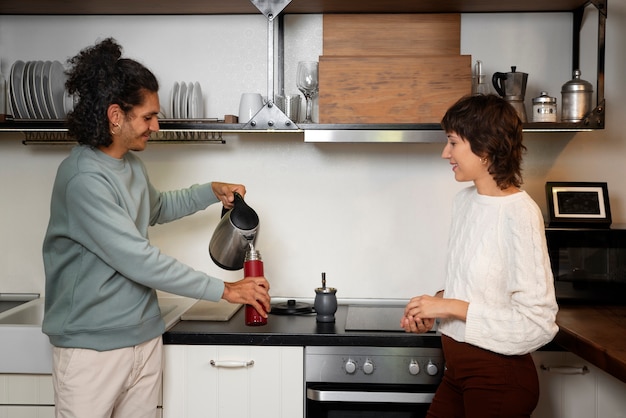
578	204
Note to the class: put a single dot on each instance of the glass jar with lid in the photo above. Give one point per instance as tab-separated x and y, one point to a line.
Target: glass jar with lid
544	108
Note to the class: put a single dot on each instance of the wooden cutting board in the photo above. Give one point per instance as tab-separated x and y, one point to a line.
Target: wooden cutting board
205	310
392	34
391	89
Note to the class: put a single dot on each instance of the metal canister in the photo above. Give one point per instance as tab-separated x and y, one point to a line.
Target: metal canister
576	99
544	108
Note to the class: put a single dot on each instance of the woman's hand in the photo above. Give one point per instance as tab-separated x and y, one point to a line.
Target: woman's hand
225	192
250	291
421	311
416	325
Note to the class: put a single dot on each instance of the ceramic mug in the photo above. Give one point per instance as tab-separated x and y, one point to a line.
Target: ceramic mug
249	105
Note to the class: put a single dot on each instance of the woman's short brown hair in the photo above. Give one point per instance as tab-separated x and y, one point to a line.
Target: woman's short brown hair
494	131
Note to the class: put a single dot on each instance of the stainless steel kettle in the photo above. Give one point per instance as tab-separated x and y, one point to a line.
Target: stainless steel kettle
233	235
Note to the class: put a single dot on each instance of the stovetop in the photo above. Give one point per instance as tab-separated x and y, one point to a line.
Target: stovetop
375	318
300	330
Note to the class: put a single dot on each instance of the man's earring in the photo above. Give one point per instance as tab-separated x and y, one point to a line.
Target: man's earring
117	125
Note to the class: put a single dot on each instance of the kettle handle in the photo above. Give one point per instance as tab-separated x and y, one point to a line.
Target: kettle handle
496	80
237	197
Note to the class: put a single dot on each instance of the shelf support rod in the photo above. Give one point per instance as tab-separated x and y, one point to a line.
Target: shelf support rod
270	117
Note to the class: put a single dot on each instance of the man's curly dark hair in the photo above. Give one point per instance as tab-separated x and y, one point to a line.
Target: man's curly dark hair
99	77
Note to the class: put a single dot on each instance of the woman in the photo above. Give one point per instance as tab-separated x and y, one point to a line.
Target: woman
498	303
102	314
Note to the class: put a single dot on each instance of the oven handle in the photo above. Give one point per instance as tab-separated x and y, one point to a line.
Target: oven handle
368	397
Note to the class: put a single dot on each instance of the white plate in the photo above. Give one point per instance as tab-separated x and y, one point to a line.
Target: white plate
196	103
186	105
56	89
30	105
68	102
17	90
40	91
45	88
35	88
182	102
174	103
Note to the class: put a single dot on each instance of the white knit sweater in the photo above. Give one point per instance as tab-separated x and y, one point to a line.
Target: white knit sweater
498	262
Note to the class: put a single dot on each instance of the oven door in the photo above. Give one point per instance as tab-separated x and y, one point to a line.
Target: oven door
325	400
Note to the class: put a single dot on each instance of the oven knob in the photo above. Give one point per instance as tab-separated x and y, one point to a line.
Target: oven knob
368	367
350	366
431	368
414	367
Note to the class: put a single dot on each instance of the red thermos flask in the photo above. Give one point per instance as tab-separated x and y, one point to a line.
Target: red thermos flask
253	267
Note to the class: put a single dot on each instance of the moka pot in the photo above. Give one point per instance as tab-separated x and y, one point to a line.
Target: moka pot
512	87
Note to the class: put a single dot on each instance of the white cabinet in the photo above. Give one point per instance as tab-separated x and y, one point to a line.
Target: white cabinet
574	388
26	396
233	381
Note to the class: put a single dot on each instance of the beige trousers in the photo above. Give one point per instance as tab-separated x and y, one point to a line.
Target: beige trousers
122	383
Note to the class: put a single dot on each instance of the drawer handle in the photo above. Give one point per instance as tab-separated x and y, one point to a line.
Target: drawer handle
565	369
232	364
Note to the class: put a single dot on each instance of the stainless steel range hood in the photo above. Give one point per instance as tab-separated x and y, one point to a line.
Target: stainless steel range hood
395	133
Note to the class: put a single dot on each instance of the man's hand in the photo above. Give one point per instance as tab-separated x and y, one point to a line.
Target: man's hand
251	291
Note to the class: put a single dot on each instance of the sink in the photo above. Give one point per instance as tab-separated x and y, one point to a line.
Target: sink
12	300
30	313
26	349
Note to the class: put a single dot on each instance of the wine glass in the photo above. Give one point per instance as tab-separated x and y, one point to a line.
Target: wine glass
306	81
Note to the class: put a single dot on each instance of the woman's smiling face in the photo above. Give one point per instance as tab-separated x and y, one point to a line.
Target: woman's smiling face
466	165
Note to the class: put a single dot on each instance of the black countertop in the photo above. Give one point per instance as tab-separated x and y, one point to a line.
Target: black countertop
292	330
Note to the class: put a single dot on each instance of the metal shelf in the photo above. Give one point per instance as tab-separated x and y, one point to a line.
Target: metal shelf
210	131
272	120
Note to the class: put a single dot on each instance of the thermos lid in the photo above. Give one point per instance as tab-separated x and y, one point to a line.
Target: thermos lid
544	98
577	85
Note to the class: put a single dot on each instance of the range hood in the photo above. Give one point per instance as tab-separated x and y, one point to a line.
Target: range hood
381	133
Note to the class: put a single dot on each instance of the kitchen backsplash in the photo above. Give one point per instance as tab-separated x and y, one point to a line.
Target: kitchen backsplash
374	217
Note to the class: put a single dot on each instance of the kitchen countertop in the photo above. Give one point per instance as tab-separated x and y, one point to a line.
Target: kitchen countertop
291	330
597	334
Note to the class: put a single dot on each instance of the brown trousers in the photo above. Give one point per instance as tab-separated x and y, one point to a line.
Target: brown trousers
478	383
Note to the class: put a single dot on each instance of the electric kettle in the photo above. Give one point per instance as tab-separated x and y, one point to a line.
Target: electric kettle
233	235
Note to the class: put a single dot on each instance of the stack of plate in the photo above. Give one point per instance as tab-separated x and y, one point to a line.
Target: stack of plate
37	90
187	101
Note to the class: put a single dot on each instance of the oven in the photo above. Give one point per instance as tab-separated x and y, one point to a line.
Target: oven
371	382
376	380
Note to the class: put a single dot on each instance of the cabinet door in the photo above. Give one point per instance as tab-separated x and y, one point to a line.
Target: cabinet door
566	393
233	387
26	396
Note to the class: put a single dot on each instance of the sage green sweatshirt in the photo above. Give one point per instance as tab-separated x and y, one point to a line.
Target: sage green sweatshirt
101	270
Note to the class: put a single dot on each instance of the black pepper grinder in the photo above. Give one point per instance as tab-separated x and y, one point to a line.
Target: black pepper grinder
325	302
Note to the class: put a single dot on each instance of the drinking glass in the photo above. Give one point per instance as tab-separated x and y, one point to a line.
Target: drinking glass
307	83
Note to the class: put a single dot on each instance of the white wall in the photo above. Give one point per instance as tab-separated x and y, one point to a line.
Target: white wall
373	216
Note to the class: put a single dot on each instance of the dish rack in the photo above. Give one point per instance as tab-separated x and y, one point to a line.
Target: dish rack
201	131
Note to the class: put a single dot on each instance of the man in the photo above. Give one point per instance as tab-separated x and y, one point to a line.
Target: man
102	313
